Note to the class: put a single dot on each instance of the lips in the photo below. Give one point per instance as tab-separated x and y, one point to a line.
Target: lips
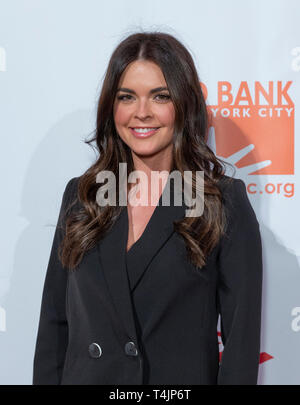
141	134
144	128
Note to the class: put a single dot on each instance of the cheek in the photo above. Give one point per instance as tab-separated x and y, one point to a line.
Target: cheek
167	115
121	115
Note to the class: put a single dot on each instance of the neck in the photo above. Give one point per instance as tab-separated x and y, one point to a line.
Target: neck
147	164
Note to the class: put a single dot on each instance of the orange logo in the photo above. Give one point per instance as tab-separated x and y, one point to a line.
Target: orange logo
253	128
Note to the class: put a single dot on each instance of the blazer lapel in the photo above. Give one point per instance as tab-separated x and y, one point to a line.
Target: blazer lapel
112	249
114	258
157	232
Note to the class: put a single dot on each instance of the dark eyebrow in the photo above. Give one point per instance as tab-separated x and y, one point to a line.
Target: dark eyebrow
157	89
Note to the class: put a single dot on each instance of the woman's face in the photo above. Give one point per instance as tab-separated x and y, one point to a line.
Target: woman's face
140	104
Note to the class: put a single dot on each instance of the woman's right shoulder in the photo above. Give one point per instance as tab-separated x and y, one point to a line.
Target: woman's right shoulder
72	185
70	196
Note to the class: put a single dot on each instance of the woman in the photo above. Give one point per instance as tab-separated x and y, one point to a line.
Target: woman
132	293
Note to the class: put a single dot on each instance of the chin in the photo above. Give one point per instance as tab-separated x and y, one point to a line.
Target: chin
146	152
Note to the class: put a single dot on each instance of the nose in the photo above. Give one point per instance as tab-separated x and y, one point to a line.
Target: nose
143	110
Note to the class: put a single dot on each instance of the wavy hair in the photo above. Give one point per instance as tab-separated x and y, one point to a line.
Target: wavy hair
84	227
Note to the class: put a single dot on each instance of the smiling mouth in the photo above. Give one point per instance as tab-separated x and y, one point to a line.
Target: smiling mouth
143	132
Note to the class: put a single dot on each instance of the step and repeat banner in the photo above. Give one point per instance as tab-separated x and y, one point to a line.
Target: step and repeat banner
53	56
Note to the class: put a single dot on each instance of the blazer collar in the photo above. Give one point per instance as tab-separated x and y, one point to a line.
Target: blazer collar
114	258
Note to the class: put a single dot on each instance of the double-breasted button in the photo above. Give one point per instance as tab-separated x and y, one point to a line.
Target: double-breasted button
95	350
131	349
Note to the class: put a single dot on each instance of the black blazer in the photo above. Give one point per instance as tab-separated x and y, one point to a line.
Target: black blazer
149	316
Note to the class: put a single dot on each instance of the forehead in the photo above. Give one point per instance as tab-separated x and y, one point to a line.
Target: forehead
142	75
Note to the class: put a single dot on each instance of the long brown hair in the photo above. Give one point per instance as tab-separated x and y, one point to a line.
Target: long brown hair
86	226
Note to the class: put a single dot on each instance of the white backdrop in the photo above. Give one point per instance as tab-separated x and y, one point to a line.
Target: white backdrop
53	55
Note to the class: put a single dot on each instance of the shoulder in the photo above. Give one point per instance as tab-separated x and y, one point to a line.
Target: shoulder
72	185
229	184
71	188
236	201
234	191
70	195
241	241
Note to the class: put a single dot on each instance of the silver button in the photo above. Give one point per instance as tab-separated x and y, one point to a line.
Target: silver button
131	349
95	350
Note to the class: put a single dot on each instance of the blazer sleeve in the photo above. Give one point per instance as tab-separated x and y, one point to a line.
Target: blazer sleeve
52	337
239	291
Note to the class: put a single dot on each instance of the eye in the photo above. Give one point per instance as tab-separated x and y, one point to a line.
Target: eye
164	96
129	97
124	96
